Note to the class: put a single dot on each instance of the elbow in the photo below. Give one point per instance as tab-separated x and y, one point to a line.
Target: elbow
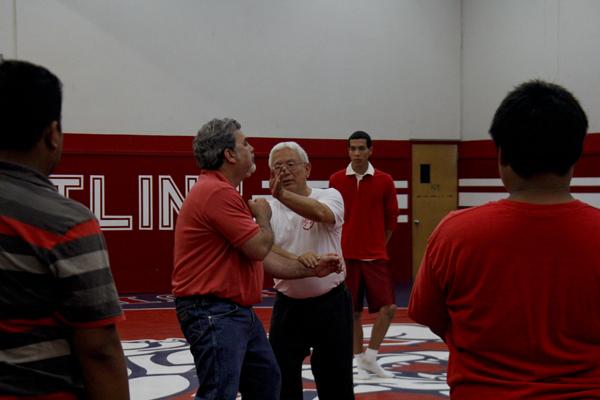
324	216
260	253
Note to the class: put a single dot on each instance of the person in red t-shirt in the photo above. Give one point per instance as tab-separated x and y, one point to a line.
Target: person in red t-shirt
370	216
513	286
218	270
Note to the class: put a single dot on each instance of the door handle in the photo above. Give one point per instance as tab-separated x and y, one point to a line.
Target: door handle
417	221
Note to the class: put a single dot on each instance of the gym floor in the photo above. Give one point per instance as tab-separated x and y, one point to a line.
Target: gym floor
161	366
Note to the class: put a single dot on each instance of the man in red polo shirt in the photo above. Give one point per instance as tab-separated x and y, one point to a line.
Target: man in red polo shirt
218	270
513	286
370	216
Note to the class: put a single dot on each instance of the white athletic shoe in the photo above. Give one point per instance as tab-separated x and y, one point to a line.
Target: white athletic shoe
362	374
373	367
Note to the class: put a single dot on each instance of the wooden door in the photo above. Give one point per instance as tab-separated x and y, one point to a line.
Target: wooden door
434	192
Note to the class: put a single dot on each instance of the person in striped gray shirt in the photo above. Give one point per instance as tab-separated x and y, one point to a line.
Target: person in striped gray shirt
58	302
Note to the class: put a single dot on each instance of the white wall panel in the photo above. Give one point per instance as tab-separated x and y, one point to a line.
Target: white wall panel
510	41
282	67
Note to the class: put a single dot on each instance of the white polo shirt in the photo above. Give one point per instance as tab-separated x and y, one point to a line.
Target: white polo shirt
299	235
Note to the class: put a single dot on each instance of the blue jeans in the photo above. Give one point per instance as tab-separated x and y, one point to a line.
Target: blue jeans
230	348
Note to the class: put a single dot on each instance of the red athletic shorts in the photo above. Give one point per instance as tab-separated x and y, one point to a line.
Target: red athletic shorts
370	278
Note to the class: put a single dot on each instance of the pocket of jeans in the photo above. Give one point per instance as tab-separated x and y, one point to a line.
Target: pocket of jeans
185	312
222	310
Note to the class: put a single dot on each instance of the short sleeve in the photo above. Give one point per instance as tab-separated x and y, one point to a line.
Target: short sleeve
231	217
427	303
334	201
79	260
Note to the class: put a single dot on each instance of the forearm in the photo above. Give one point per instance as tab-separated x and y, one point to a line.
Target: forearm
257	247
284	253
306	207
282	267
265	239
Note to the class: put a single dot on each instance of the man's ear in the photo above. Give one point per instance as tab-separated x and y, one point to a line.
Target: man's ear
52	135
229	155
501	160
308	168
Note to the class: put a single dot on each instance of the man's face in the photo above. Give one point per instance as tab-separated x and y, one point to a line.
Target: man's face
244	153
290	168
359	153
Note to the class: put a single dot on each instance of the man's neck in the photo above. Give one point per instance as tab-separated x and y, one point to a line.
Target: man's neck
231	175
541	197
25	159
360	169
543	189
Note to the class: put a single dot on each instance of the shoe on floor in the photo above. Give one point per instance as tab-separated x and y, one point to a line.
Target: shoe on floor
373	367
362	374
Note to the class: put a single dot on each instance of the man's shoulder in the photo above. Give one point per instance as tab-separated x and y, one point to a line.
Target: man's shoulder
379	174
331	192
208	187
68	212
338	175
472	217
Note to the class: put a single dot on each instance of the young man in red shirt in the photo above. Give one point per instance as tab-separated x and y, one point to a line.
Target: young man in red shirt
370	216
513	286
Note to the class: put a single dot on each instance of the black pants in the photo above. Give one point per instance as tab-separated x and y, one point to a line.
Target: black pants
323	323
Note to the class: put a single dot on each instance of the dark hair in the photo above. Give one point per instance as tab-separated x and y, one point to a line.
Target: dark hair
211	141
360	135
30	99
539	128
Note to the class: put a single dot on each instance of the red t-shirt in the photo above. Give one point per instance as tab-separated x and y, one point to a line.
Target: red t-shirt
214	221
370	209
514	290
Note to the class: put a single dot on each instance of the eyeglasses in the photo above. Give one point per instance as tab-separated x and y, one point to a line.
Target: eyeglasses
290	165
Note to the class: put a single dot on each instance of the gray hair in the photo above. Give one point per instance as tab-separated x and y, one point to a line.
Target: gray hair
288	145
211	141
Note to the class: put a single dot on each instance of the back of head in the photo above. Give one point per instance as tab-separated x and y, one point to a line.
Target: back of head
361	135
211	141
539	128
30	99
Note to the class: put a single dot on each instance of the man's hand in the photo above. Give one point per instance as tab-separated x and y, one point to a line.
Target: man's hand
275	184
327	264
260	209
309	260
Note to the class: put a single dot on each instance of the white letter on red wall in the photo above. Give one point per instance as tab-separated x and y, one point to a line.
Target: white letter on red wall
65	183
170	199
107	222
145	202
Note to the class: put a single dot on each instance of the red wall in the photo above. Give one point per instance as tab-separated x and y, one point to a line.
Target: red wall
141	259
477	160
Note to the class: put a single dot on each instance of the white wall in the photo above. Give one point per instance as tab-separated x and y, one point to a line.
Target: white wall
510	41
7	29
309	68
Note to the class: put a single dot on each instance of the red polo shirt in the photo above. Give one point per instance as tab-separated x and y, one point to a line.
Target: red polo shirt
370	209
514	290
213	223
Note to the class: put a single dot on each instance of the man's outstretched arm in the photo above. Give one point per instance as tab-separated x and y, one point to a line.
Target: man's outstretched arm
285	268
